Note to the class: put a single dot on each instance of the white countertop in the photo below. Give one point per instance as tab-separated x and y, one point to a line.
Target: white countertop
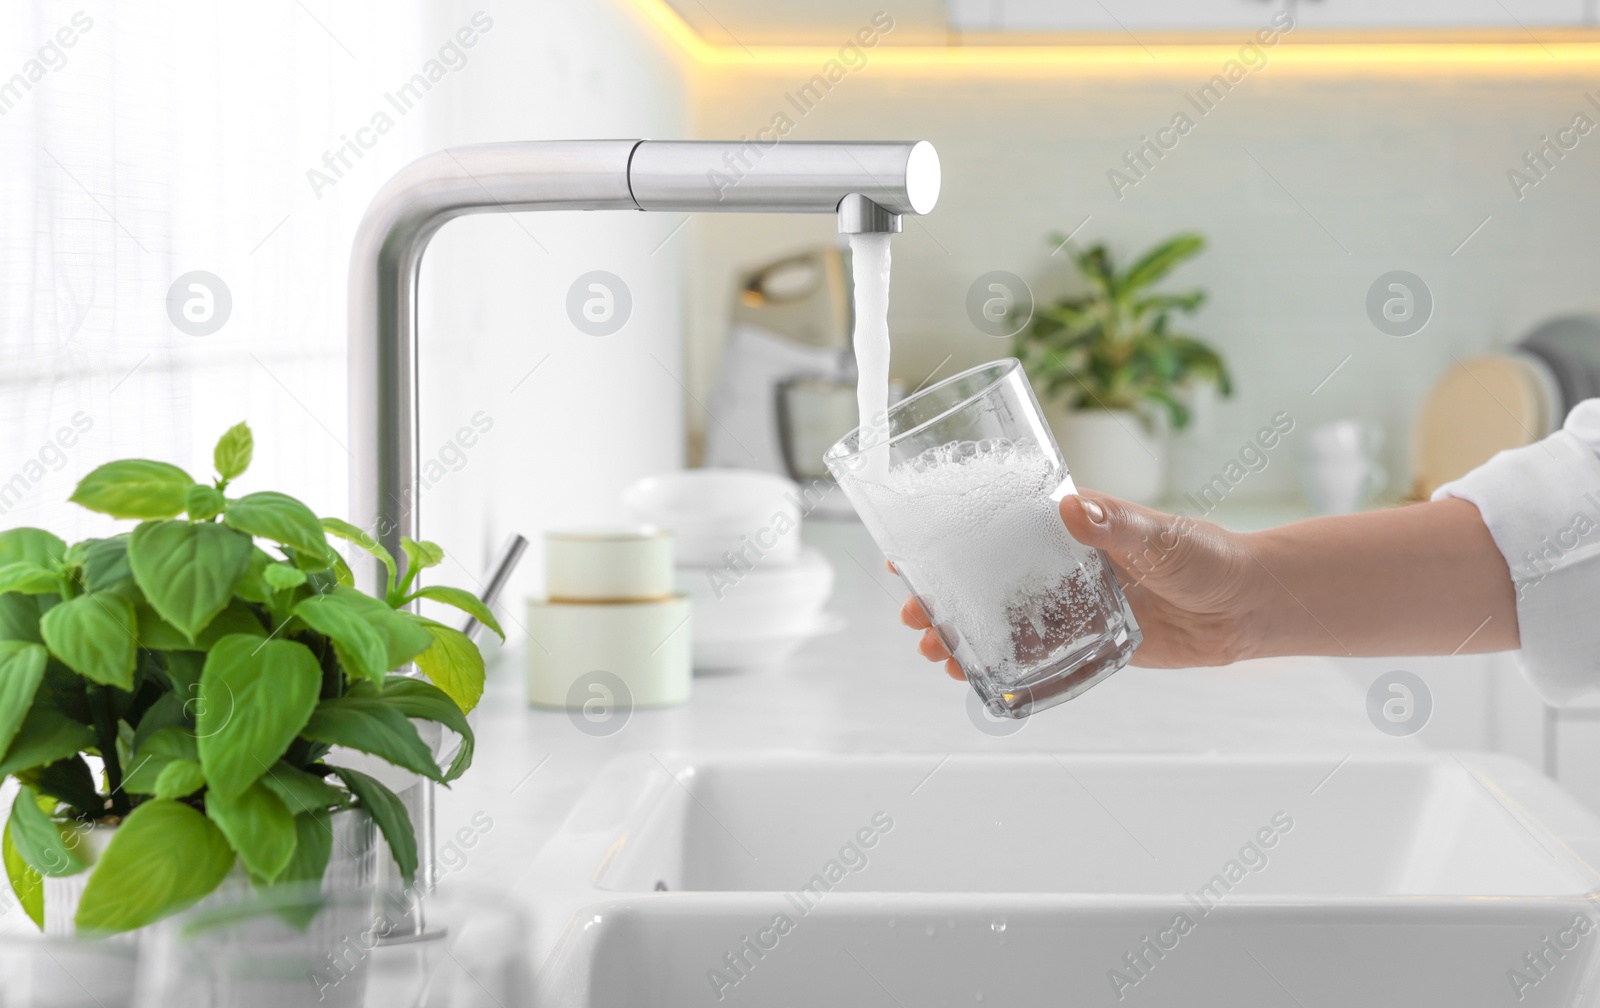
866	689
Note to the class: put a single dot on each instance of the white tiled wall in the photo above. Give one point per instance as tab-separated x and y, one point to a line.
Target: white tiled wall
574	417
1308	185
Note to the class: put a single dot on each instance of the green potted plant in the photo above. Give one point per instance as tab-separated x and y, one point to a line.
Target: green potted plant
170	696
1111	368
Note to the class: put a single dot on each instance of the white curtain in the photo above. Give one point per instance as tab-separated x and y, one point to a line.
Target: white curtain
143	141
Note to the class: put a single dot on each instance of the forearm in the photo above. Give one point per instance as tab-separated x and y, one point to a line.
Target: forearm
1422	579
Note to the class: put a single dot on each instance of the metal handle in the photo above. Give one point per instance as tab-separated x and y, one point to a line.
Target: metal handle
499	573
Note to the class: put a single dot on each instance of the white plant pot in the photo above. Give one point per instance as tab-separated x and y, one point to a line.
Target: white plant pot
229	950
1112	451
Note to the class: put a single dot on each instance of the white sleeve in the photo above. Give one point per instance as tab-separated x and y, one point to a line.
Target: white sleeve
1542	506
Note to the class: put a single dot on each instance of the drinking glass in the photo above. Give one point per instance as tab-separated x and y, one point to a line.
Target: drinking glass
40	971
244	947
303	943
961	493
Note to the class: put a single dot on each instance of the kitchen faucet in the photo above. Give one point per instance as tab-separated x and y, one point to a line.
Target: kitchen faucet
868	184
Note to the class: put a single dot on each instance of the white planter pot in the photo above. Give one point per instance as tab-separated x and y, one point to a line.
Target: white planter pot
1112	451
233	948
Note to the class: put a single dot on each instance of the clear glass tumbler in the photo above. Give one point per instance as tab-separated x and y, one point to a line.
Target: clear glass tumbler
963	498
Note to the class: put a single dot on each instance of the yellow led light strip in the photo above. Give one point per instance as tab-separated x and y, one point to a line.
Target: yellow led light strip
1067	59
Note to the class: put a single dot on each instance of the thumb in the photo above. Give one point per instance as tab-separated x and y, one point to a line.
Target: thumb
1104	522
1137	540
1146	546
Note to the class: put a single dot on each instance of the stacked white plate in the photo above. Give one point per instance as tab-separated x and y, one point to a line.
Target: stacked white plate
756	593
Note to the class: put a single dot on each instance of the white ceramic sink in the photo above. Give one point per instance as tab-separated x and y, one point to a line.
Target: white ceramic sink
923	880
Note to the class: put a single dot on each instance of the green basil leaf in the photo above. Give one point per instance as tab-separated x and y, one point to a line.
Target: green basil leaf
157	634
302	791
452	662
169	711
255	696
390	815
233	452
360	649
172	743
187	570
204	502
38	838
65	692
403	637
105	563
282	576
252	587
95	635
342	574
236	618
19	616
26	884
22	668
32	545
282	519
26	578
418	699
259	828
313	847
183	671
374	726
421	555
463	600
302	876
135	488
348	532
152	756
45	737
163	858
179	779
145	775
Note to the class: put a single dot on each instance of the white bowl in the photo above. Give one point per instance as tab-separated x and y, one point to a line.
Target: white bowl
769	600
714	513
733	654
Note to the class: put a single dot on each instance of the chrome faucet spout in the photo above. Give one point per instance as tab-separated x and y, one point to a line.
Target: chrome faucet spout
859	215
868	184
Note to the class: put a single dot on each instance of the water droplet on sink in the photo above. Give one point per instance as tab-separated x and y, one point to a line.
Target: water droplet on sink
978	996
928	930
950	922
997	925
891	922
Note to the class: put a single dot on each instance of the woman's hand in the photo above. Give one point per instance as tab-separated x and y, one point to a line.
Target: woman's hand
1423	579
1189	583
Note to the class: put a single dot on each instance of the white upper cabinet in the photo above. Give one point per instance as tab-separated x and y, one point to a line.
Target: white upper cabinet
1441	13
1130	17
1108	15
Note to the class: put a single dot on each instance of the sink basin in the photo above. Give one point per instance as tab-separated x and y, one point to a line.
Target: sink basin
920	880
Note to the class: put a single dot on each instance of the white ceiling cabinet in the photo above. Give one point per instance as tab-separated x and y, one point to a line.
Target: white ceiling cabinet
1441	13
1134	16
1108	15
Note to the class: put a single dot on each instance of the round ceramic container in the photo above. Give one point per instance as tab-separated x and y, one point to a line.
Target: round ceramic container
608	565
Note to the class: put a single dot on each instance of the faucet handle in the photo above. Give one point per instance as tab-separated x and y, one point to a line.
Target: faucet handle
499	573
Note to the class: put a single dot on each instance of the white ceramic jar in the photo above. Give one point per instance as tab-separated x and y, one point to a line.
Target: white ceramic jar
611	633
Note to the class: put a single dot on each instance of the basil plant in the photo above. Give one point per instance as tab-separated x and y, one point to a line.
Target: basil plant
208	661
